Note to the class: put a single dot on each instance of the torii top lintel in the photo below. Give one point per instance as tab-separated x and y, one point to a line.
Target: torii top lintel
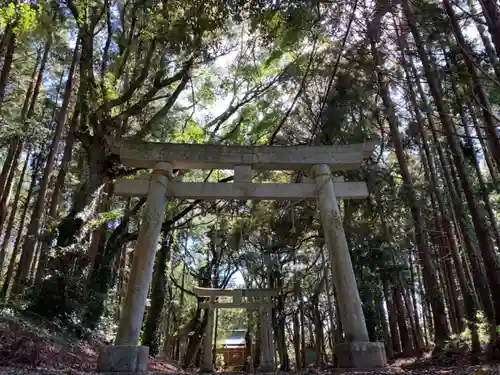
140	154
215	292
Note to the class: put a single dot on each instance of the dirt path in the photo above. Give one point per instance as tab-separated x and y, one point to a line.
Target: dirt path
468	370
27	349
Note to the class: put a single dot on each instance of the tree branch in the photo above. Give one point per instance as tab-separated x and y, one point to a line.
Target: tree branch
135	84
107	45
299	92
180	287
166	108
147	98
249	96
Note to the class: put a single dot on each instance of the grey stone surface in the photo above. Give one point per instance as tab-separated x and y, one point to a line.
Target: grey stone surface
123	359
210	156
266	368
361	355
141	272
216	292
206	370
365	371
349	302
142	359
240	190
207	364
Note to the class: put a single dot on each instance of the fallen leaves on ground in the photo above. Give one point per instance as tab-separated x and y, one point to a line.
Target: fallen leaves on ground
23	346
35	350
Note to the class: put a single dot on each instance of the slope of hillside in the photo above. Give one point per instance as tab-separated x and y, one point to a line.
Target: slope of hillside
26	343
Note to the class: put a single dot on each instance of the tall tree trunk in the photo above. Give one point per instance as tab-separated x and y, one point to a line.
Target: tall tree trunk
15	146
27	253
392	313
7	164
150	336
50	233
96	153
17	244
34	225
98	237
329	296
406	341
492	15
462	230
490	259
430	280
10	37
295	316
442	226
474	157
303	328
387	339
4	200
121	280
419	342
488	47
34	264
102	278
216	329
181	307
486	153
13	213
478	274
426	321
467	53
318	328
389	300
96	177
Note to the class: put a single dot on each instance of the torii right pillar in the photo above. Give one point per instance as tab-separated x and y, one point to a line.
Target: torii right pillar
356	351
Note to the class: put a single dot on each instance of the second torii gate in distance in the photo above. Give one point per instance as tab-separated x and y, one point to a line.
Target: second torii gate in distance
260	299
162	158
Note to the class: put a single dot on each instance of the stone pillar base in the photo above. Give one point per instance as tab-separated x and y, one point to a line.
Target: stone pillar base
123	359
266	367
204	370
364	355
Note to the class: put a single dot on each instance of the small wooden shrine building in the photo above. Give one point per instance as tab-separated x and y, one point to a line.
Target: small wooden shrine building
233	349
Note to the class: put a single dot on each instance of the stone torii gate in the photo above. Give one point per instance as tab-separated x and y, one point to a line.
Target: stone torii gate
260	299
162	158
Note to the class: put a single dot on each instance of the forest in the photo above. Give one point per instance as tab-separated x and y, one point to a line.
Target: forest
421	77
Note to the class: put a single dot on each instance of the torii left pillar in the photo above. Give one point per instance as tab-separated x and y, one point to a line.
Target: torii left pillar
207	364
125	356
